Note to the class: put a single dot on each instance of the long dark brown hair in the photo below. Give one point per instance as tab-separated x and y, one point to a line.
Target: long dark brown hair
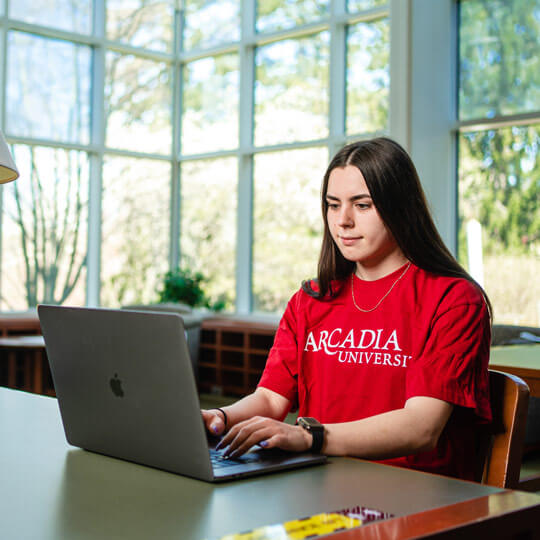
397	194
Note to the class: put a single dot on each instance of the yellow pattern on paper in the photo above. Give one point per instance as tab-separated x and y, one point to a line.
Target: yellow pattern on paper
298	529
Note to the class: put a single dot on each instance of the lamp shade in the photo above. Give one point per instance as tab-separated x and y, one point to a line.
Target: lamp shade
8	171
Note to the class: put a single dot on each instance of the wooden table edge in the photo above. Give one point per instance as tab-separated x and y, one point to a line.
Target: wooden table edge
505	514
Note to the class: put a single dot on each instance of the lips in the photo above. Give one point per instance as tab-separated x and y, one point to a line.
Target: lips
349	240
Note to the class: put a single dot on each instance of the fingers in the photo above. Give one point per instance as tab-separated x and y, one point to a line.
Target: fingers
239	447
265	432
213	422
246	434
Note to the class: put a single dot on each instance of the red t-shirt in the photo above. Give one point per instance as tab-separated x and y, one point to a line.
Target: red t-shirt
429	337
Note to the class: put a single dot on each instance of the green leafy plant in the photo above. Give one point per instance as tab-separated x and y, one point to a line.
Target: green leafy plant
183	285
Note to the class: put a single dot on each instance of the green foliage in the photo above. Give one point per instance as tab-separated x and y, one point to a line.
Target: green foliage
279	14
500	187
208	225
183	285
499	168
499	60
368	58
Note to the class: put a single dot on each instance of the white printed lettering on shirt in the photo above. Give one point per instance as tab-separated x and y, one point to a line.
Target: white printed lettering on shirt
329	342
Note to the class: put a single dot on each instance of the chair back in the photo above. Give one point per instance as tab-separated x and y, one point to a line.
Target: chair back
501	444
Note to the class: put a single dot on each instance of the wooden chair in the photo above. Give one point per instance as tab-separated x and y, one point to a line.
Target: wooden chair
501	443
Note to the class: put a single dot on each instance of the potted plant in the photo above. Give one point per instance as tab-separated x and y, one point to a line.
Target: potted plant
180	292
185	287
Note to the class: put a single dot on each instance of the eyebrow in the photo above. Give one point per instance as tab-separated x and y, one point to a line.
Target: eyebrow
352	199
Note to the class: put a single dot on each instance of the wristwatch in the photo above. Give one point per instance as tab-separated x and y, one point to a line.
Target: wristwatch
315	428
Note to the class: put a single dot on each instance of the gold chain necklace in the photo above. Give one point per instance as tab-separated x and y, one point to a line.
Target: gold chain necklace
387	293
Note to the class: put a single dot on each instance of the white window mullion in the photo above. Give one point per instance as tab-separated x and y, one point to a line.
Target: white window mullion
175	232
337	76
93	261
244	226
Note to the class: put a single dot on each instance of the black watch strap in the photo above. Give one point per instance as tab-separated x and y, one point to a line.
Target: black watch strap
318	438
317	432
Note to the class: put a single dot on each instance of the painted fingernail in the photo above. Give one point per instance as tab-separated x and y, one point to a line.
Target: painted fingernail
215	429
264	444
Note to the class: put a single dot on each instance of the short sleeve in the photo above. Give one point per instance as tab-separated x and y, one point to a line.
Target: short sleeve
281	371
453	364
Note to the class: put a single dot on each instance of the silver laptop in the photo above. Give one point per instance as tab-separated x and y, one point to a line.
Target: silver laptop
126	388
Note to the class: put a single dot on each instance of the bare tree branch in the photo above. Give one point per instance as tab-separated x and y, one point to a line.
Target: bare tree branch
24	240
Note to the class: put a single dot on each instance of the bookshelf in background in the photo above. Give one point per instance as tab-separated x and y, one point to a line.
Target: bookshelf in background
232	355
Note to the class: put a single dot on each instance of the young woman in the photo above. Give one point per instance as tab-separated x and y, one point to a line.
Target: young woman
387	351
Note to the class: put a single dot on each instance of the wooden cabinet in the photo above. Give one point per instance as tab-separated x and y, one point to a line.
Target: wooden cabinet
232	355
23	360
19	323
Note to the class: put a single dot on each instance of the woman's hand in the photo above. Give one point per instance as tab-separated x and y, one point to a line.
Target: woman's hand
265	432
214	421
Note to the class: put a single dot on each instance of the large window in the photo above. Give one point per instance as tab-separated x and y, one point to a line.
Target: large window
152	134
287	223
499	154
48	100
44	232
291	90
210	104
135	229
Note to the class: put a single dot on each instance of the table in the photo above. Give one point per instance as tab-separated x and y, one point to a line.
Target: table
520	360
53	491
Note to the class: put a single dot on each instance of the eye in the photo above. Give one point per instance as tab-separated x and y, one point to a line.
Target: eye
363	206
332	206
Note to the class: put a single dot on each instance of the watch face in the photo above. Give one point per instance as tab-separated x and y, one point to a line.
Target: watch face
309	423
316	429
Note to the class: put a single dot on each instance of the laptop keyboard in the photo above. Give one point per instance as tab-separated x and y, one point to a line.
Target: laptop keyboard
220	462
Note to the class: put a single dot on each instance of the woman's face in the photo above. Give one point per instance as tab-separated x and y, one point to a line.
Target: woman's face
355	224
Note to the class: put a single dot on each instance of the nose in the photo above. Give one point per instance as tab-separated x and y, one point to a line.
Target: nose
345	218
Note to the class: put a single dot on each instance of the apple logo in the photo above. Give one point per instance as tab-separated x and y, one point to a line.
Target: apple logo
116	386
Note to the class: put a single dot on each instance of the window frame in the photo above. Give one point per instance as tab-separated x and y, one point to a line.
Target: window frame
422	33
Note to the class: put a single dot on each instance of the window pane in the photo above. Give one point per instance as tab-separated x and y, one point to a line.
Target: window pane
70	15
291	90
210	104
44	229
358	5
499	57
208	244
141	23
138	104
499	187
135	229
48	99
278	14
210	22
368	76
287	223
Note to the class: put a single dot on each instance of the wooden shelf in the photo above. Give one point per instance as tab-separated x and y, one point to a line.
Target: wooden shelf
232	348
232	354
23	361
231	368
19	323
